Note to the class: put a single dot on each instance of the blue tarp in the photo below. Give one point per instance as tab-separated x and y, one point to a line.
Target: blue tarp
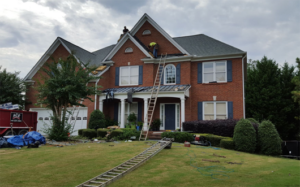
33	136
16	141
3	142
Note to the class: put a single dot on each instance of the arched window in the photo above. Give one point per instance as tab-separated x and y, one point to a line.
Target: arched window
146	32
170	74
128	50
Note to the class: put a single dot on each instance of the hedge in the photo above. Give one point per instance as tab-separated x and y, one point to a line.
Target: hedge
97	120
178	136
80	132
115	133
213	139
244	136
217	127
268	139
128	133
227	143
102	132
89	133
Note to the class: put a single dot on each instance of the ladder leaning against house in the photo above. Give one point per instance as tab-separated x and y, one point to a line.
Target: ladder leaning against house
153	98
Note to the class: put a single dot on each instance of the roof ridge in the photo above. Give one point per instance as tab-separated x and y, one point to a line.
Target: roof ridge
104	48
188	36
75	45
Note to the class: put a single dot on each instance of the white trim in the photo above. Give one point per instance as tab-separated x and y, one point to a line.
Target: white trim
244	107
177	123
145	18
165	77
129	76
43	59
193	58
215	108
128	50
120	44
214	70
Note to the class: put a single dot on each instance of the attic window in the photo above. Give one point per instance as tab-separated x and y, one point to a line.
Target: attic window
146	32
128	50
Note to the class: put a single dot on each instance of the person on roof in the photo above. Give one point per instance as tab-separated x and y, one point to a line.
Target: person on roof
125	30
155	48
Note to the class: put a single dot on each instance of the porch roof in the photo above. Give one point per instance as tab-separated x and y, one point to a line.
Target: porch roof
163	88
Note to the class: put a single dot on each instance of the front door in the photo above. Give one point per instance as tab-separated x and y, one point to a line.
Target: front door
169	116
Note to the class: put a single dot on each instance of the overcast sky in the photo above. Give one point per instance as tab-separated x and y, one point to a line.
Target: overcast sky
29	27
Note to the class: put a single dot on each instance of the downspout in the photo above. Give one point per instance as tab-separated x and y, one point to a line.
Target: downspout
244	108
96	94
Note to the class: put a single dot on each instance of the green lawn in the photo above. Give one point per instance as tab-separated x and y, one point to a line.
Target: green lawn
72	165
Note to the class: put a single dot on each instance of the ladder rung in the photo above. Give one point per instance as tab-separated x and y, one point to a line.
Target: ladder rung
97	182
114	173
104	179
86	185
108	176
119	170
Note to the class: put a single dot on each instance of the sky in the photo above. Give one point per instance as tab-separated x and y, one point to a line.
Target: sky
29	27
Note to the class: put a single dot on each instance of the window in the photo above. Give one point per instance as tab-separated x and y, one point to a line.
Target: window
40	118
84	118
72	118
78	118
46	118
170	74
129	75
215	110
146	32
128	50
214	71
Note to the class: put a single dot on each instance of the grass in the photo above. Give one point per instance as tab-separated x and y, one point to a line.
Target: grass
72	165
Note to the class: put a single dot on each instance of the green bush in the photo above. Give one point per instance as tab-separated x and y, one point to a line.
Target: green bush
97	120
213	139
128	133
102	132
227	143
80	132
178	136
132	118
110	122
244	136
268	139
58	132
253	120
115	133
89	133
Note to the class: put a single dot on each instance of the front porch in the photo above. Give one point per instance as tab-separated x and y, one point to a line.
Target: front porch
170	105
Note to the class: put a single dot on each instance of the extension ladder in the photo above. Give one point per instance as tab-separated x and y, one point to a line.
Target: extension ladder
153	98
110	176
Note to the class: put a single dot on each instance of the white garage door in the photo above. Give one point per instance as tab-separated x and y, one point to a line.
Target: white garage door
78	119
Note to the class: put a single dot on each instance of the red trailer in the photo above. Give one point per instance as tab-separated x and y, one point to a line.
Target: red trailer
21	122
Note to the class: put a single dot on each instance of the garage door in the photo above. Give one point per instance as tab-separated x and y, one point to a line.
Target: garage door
78	118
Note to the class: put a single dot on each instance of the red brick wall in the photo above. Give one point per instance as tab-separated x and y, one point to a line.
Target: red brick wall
164	45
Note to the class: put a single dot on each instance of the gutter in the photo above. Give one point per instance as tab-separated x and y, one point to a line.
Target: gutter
244	107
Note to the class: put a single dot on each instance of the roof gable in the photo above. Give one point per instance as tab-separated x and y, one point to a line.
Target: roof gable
146	18
126	37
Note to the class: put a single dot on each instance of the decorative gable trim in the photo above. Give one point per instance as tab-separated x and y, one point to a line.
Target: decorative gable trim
126	37
43	59
145	18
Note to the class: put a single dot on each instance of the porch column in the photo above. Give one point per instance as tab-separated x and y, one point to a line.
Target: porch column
101	104
182	111
122	113
145	113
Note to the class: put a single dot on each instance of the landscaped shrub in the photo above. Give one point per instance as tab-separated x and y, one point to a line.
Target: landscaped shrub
252	120
102	132
213	139
227	143
110	122
268	139
178	136
217	127
128	133
80	132
90	133
244	136
115	133
97	120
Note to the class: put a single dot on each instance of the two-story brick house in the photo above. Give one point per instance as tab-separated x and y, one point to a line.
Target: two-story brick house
203	78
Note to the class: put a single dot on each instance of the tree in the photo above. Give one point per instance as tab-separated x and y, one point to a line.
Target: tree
65	84
97	120
268	94
296	97
11	88
244	136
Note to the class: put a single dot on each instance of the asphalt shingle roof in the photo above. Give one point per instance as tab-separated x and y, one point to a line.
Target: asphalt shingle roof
202	45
